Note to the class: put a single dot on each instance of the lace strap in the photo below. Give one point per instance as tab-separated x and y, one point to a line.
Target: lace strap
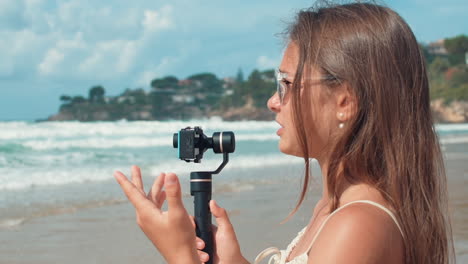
275	252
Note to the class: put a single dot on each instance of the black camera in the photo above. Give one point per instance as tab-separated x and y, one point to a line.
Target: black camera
192	143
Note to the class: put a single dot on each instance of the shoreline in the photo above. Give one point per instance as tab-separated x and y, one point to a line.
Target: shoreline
109	233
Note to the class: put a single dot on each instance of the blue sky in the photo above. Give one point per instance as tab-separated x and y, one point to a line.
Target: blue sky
49	48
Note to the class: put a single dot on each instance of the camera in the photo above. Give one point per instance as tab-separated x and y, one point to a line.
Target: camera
192	143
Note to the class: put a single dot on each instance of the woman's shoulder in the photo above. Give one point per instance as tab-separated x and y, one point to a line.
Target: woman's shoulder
358	232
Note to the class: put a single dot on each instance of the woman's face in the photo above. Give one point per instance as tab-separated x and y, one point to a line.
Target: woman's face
322	110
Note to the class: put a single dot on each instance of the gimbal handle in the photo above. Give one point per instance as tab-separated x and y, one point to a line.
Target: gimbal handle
201	189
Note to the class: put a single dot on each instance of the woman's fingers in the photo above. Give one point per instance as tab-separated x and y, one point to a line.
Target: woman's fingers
192	219
136	178
220	215
204	257
200	243
160	199
133	193
173	194
155	194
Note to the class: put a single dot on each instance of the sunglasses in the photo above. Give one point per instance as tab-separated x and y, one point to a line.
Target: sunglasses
282	84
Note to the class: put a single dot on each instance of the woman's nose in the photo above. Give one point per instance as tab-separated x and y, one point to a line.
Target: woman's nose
274	103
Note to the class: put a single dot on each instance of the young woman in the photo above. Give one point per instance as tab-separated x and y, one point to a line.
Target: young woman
353	94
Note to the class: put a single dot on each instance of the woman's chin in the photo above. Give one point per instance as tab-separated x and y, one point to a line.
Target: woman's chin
289	150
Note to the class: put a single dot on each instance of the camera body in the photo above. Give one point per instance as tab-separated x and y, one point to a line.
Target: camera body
192	143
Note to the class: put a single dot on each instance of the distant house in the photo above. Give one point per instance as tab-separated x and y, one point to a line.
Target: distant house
183	98
437	48
185	82
125	98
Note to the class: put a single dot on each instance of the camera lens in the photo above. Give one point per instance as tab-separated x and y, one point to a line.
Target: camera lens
224	142
175	140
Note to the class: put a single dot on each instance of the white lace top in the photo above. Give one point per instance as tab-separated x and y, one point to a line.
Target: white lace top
280	256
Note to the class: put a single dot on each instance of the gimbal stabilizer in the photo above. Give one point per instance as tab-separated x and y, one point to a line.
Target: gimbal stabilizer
192	143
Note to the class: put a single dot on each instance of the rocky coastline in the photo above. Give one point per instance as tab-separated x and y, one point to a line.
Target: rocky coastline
453	112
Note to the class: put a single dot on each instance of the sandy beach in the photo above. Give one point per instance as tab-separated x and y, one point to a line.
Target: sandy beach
109	234
60	204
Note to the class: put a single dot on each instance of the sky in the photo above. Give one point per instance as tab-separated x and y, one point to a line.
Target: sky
50	48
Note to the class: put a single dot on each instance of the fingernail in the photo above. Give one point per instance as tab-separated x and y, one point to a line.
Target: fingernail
170	179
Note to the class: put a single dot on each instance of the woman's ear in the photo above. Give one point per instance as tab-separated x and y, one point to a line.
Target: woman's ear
346	104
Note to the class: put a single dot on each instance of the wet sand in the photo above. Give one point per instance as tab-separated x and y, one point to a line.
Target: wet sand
109	234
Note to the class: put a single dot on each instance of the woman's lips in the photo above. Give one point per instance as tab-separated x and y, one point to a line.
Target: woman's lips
280	131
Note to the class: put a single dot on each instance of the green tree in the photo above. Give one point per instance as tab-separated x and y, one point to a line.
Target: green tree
458	44
438	66
460	77
240	76
78	100
168	82
161	102
96	94
65	98
140	96
457	47
261	86
428	56
208	82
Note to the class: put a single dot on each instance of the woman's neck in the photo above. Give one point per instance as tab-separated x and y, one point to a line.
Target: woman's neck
349	192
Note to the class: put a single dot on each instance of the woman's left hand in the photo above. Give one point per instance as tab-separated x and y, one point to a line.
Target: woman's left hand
171	231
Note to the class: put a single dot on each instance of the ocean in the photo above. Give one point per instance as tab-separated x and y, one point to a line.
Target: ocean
51	170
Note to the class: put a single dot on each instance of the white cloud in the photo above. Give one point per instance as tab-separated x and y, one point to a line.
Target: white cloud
155	20
164	67
264	62
51	62
78	39
109	58
127	57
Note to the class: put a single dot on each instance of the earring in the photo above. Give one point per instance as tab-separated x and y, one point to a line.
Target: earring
340	116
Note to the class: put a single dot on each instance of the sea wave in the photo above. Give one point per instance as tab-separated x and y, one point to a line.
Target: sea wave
25	178
124	142
12	147
452	127
454	140
236	163
24	130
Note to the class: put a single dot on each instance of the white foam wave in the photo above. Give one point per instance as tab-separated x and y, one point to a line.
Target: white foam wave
11	223
23	130
453	140
125	142
451	127
98	143
19	179
24	178
243	162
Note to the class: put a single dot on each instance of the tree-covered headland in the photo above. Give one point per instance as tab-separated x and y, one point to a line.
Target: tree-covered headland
197	96
204	95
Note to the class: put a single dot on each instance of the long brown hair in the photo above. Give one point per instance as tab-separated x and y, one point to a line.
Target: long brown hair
391	142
